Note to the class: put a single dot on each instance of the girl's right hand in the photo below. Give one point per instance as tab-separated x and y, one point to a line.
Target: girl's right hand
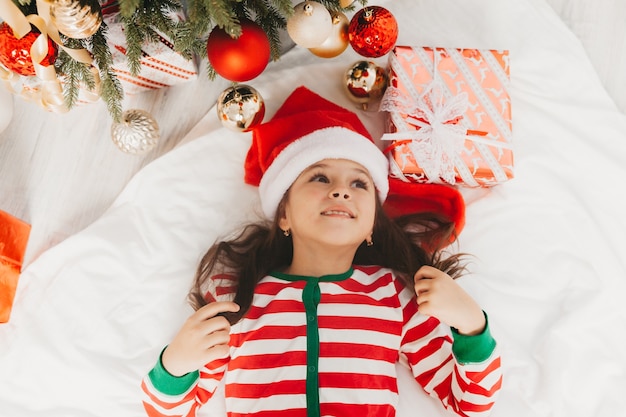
203	338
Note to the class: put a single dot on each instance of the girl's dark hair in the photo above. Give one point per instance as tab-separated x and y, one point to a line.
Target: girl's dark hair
403	244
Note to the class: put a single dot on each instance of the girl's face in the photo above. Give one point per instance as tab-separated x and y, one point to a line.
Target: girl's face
332	202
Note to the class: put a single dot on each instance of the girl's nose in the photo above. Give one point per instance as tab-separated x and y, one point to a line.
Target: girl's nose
336	194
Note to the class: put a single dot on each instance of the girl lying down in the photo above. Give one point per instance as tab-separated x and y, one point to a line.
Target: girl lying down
308	313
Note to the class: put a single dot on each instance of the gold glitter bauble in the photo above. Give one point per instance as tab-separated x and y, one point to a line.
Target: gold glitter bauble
240	107
365	82
136	133
74	20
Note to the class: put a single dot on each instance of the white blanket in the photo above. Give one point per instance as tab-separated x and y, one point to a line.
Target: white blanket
93	312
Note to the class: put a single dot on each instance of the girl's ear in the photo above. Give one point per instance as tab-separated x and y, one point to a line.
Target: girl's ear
281	215
283	223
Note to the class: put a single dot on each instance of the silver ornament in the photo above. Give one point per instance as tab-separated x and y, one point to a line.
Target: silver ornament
365	82
240	107
136	133
310	24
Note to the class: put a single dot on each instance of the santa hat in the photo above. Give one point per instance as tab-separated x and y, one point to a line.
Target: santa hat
307	129
440	199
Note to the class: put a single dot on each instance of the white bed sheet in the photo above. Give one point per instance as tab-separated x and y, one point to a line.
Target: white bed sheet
599	24
92	313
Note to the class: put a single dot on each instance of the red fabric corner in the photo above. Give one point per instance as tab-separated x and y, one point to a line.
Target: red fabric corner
13	239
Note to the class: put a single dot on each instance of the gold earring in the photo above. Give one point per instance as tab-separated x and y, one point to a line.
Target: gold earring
287	232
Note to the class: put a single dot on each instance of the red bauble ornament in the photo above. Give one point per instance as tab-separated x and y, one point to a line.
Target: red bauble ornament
373	31
239	59
15	53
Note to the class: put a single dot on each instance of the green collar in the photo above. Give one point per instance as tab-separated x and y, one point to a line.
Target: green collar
323	278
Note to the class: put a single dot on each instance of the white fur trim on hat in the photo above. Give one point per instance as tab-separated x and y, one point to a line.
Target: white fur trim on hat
327	143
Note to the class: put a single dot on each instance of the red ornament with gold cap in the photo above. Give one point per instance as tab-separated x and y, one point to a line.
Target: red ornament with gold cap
239	58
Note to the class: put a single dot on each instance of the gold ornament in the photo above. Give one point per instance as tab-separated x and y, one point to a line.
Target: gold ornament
75	20
310	24
365	82
345	3
240	108
137	132
337	41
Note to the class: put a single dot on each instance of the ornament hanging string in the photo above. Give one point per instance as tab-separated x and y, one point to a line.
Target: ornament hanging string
437	134
50	96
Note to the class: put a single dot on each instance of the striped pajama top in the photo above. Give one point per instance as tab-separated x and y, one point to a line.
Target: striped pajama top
328	346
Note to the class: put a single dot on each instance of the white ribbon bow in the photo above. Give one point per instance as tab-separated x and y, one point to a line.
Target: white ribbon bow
438	136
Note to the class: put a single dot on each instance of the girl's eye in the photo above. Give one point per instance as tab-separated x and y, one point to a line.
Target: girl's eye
360	184
319	178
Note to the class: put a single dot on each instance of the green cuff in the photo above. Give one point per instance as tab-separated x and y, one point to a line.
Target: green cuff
169	384
473	349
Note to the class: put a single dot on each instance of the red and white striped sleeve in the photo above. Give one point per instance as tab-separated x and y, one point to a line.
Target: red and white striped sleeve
220	287
165	395
463	372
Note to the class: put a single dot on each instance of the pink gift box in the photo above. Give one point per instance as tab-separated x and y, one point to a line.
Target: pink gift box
449	116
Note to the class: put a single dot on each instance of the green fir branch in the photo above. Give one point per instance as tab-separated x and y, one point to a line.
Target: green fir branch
111	90
135	37
187	42
284	7
75	75
129	7
271	21
224	14
142	25
211	74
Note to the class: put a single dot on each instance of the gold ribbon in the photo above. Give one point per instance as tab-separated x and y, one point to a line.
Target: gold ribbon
50	96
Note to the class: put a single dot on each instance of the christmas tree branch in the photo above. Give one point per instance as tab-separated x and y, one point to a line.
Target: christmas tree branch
76	75
111	89
141	26
271	20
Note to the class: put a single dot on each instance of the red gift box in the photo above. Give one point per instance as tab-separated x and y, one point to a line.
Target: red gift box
13	239
449	116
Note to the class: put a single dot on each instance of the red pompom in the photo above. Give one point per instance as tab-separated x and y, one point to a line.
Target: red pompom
15	53
239	59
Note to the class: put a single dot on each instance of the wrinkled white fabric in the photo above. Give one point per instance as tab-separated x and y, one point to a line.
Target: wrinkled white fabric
92	313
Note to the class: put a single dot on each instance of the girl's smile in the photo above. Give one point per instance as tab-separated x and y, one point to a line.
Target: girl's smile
338	212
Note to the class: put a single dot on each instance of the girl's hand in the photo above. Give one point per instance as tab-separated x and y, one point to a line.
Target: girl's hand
203	338
440	297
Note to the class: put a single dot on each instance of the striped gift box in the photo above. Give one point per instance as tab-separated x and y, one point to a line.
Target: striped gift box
449	116
161	65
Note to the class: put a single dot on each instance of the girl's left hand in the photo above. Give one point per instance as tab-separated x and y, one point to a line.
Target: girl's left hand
440	297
